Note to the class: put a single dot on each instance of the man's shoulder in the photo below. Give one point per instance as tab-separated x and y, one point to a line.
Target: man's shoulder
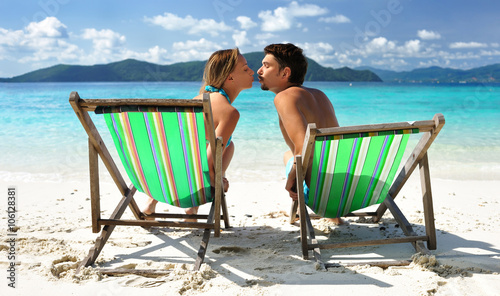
313	91
299	94
292	92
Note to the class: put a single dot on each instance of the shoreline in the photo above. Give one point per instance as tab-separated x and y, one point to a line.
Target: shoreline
261	253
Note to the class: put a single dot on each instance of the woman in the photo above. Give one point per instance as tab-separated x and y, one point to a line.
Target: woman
226	75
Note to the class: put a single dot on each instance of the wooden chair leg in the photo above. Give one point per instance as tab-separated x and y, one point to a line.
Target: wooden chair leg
218	187
302	209
95	199
106	231
313	240
405	225
225	214
425	181
293	211
204	241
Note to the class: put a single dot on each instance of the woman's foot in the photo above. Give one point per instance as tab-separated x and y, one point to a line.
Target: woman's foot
225	184
336	221
150	208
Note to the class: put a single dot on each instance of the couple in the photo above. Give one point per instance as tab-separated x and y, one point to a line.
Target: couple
283	70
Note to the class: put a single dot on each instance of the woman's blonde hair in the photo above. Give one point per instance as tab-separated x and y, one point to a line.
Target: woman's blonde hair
220	64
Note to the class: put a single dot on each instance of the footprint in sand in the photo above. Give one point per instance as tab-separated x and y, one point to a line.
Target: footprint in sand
128	243
231	249
59	266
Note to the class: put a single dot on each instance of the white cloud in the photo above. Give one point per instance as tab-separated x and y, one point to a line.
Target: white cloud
262	39
155	54
193	50
428	35
490	52
389	63
104	40
337	19
383	47
411	48
11	38
379	45
282	18
457	55
50	27
460	45
246	22
110	46
265	36
346	60
320	51
319	47
200	44
240	38
172	22
39	41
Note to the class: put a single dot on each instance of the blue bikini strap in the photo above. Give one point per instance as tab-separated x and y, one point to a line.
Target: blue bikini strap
219	90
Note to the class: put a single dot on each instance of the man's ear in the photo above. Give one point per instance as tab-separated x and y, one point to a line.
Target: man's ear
286	73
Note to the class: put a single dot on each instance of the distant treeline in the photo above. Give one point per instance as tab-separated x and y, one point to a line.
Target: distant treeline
486	74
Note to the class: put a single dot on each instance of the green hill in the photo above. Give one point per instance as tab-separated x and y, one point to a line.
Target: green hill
134	70
484	74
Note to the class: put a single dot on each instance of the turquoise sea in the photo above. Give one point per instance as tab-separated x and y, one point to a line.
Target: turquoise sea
42	139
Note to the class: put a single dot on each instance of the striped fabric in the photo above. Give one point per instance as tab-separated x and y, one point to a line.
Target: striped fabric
164	154
351	172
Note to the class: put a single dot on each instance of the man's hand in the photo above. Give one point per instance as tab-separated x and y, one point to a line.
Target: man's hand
291	184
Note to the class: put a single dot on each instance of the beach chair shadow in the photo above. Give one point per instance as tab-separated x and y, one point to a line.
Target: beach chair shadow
356	167
162	146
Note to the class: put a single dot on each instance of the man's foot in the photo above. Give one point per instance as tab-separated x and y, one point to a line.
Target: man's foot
150	208
191	211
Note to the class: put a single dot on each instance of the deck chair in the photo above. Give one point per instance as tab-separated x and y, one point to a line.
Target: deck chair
356	167
162	146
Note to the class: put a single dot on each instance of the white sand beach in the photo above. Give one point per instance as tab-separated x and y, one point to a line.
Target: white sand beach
260	254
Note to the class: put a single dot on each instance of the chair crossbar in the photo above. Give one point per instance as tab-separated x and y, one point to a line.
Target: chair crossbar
145	108
92	104
422	126
367	134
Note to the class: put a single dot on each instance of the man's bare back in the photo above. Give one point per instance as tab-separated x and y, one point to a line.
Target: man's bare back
283	70
311	106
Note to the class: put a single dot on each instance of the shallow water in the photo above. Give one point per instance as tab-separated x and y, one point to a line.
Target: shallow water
43	139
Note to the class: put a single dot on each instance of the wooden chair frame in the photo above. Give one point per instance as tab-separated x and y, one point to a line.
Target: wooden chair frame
97	149
418	157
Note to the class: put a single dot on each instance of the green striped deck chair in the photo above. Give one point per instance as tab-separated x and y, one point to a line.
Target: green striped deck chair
162	145
356	167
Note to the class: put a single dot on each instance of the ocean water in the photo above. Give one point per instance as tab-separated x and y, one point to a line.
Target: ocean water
42	139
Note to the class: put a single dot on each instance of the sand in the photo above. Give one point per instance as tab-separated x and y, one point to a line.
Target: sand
260	254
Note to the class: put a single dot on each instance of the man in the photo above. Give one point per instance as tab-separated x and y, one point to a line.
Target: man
283	70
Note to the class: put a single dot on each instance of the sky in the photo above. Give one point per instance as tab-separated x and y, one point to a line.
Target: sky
398	35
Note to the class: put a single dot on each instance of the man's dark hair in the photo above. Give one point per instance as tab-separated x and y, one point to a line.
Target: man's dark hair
289	55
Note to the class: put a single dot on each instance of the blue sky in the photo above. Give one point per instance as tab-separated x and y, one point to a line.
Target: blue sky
390	34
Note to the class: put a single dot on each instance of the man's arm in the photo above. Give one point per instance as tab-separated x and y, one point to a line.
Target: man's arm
294	126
